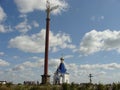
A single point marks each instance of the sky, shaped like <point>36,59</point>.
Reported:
<point>85,32</point>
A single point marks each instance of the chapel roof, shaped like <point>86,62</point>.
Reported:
<point>61,68</point>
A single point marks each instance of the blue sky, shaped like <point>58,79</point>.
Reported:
<point>86,33</point>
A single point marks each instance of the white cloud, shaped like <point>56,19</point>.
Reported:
<point>34,58</point>
<point>2,15</point>
<point>18,68</point>
<point>36,42</point>
<point>102,17</point>
<point>26,6</point>
<point>23,27</point>
<point>95,41</point>
<point>4,63</point>
<point>2,28</point>
<point>2,53</point>
<point>5,29</point>
<point>78,73</point>
<point>23,16</point>
<point>93,18</point>
<point>53,63</point>
<point>100,73</point>
<point>31,70</point>
<point>35,24</point>
<point>68,56</point>
<point>38,63</point>
<point>1,72</point>
<point>15,57</point>
<point>72,67</point>
<point>97,18</point>
<point>28,65</point>
<point>111,66</point>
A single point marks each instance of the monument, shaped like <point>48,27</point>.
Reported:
<point>46,76</point>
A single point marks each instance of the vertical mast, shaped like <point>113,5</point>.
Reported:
<point>47,38</point>
<point>46,77</point>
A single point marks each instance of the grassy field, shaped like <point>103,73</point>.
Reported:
<point>114,86</point>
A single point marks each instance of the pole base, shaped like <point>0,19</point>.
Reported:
<point>45,79</point>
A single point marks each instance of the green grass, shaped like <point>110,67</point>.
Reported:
<point>72,86</point>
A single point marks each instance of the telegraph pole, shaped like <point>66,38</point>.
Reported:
<point>90,76</point>
<point>46,76</point>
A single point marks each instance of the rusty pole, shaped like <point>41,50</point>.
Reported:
<point>46,77</point>
<point>47,44</point>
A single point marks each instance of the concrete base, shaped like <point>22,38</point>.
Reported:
<point>45,79</point>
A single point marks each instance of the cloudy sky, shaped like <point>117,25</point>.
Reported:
<point>85,32</point>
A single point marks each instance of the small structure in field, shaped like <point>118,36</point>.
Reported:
<point>61,75</point>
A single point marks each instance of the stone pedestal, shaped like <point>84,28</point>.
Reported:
<point>45,79</point>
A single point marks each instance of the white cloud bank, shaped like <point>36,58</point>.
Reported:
<point>2,14</point>
<point>97,18</point>
<point>2,53</point>
<point>111,66</point>
<point>53,63</point>
<point>23,27</point>
<point>2,18</point>
<point>4,63</point>
<point>78,73</point>
<point>36,42</point>
<point>31,70</point>
<point>95,41</point>
<point>26,6</point>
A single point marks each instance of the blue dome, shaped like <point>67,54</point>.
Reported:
<point>61,68</point>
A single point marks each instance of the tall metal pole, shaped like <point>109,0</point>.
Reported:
<point>46,77</point>
<point>47,41</point>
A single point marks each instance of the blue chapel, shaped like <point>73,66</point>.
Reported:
<point>61,75</point>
